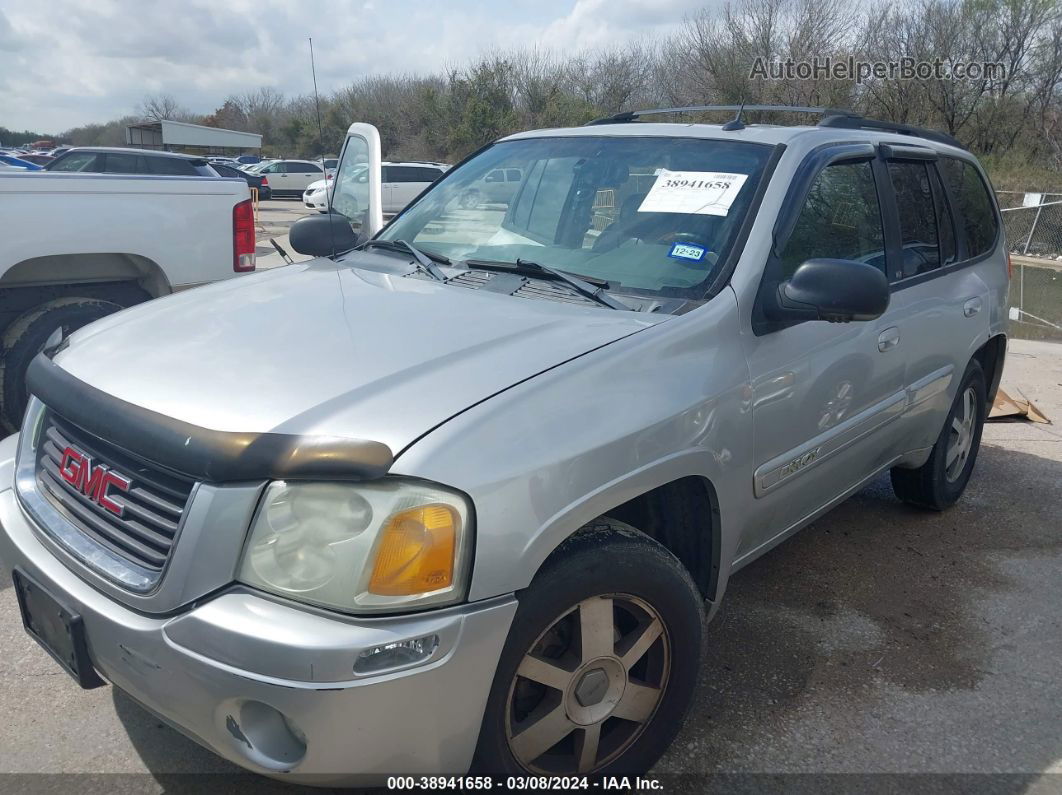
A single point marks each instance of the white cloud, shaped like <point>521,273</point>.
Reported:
<point>105,57</point>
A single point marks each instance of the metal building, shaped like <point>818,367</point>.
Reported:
<point>173,135</point>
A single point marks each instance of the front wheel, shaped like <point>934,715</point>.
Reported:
<point>600,664</point>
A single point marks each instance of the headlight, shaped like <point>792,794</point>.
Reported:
<point>388,545</point>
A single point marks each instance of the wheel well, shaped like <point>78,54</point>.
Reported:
<point>63,270</point>
<point>682,516</point>
<point>16,300</point>
<point>991,357</point>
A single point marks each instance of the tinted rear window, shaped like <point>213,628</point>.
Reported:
<point>417,174</point>
<point>919,220</point>
<point>119,163</point>
<point>973,204</point>
<point>170,166</point>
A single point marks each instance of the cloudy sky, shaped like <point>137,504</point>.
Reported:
<point>65,63</point>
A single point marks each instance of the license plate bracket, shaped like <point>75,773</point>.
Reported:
<point>59,630</point>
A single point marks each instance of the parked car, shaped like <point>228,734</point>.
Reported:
<point>258,181</point>
<point>37,159</point>
<point>20,163</point>
<point>315,196</point>
<point>249,159</point>
<point>497,186</point>
<point>115,160</point>
<point>401,183</point>
<point>460,493</point>
<point>80,246</point>
<point>254,168</point>
<point>59,150</point>
<point>291,177</point>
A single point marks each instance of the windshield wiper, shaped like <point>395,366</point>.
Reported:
<point>425,261</point>
<point>592,289</point>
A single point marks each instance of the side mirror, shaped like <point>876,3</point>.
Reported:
<point>322,235</point>
<point>836,290</point>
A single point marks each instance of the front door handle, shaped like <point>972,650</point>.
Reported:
<point>971,307</point>
<point>888,339</point>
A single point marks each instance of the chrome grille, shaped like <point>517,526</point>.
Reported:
<point>152,507</point>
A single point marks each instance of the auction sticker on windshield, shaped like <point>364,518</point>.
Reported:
<point>694,192</point>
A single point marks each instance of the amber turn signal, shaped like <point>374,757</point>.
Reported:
<point>416,550</point>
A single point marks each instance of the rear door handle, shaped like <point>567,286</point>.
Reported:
<point>971,307</point>
<point>888,339</point>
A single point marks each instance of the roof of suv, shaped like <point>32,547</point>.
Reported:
<point>836,125</point>
<point>417,163</point>
<point>130,150</point>
<point>769,134</point>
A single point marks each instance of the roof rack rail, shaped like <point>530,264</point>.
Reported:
<point>854,121</point>
<point>632,115</point>
<point>837,118</point>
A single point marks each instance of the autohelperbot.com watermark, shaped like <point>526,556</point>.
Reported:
<point>851,68</point>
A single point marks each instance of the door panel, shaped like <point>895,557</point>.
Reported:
<point>824,395</point>
<point>301,177</point>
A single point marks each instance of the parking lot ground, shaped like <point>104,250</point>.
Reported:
<point>275,217</point>
<point>880,640</point>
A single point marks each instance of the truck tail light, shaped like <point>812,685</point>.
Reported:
<point>243,237</point>
<point>1010,268</point>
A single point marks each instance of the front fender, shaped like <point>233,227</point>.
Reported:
<point>549,455</point>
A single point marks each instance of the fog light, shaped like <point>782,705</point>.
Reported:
<point>395,655</point>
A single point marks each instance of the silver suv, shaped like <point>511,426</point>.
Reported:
<point>461,494</point>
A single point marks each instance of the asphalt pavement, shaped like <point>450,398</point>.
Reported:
<point>880,642</point>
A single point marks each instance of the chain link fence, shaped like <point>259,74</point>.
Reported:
<point>1033,223</point>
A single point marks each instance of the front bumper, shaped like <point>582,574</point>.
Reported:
<point>221,672</point>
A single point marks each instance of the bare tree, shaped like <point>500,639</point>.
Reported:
<point>160,107</point>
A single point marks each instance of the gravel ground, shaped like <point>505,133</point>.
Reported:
<point>880,640</point>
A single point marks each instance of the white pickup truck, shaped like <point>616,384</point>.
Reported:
<point>76,247</point>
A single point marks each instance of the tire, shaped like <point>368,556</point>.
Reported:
<point>28,335</point>
<point>940,482</point>
<point>635,713</point>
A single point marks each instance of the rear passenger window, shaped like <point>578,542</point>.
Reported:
<point>170,166</point>
<point>919,219</point>
<point>841,219</point>
<point>418,174</point>
<point>425,174</point>
<point>977,221</point>
<point>945,224</point>
<point>118,163</point>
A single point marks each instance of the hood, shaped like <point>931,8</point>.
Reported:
<point>325,349</point>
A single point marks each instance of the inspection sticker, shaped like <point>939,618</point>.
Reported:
<point>687,251</point>
<point>696,192</point>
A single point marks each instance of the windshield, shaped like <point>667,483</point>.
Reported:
<point>647,214</point>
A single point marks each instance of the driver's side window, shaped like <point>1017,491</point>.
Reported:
<point>841,219</point>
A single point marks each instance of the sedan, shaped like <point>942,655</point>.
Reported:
<point>258,181</point>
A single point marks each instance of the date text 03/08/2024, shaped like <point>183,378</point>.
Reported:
<point>529,783</point>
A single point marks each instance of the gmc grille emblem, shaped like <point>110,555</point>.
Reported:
<point>95,482</point>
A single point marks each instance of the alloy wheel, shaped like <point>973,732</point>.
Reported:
<point>589,685</point>
<point>960,436</point>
